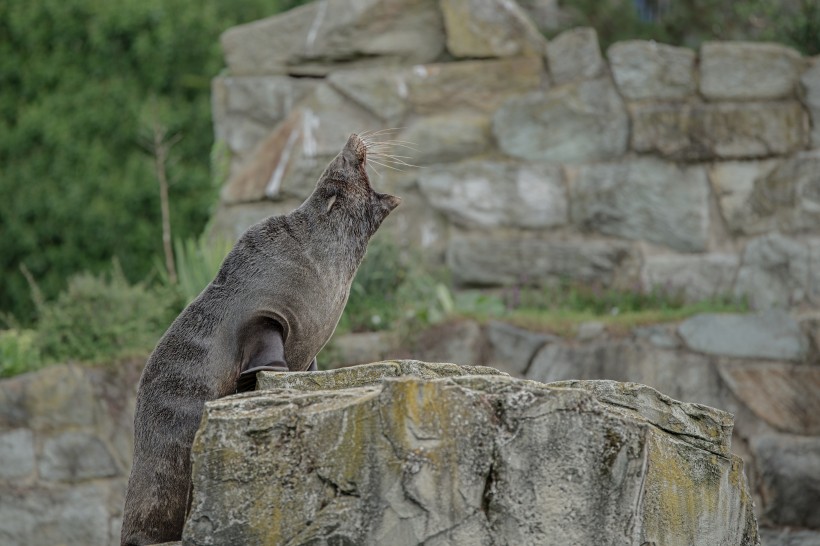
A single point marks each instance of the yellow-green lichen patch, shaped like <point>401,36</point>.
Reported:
<point>688,494</point>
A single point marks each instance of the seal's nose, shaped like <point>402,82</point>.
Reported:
<point>356,145</point>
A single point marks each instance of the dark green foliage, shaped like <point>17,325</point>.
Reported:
<point>690,22</point>
<point>98,318</point>
<point>81,82</point>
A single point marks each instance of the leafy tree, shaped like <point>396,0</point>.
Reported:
<point>78,80</point>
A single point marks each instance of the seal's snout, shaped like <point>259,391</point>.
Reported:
<point>358,147</point>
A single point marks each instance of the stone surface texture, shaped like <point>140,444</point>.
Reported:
<point>504,261</point>
<point>779,271</point>
<point>490,28</point>
<point>66,441</point>
<point>650,70</point>
<point>643,199</point>
<point>494,194</point>
<point>744,70</point>
<point>575,55</point>
<point>478,459</point>
<point>312,39</point>
<point>770,335</point>
<point>696,131</point>
<point>810,82</point>
<point>572,123</point>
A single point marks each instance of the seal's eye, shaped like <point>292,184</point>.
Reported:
<point>330,203</point>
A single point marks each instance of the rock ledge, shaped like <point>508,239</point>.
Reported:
<point>444,454</point>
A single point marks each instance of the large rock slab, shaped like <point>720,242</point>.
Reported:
<point>696,277</point>
<point>444,88</point>
<point>17,454</point>
<point>494,260</point>
<point>682,375</point>
<point>734,184</point>
<point>466,460</point>
<point>645,69</point>
<point>495,194</point>
<point>66,515</point>
<point>731,130</point>
<point>66,441</point>
<point>786,396</point>
<point>490,28</point>
<point>770,335</point>
<point>746,70</point>
<point>577,122</point>
<point>318,37</point>
<point>74,456</point>
<point>788,467</point>
<point>788,537</point>
<point>575,55</point>
<point>643,199</point>
<point>810,82</point>
<point>779,271</point>
<point>790,193</point>
<point>444,138</point>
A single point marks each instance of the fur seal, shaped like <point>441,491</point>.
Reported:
<point>275,302</point>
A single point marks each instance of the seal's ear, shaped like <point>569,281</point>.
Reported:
<point>389,202</point>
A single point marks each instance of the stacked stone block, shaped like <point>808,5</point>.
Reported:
<point>699,170</point>
<point>66,442</point>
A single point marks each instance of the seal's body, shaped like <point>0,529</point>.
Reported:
<point>275,302</point>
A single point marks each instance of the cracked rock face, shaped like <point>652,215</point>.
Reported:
<point>422,458</point>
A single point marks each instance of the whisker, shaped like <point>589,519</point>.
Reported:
<point>385,146</point>
<point>370,164</point>
<point>371,134</point>
<point>394,160</point>
<point>397,140</point>
<point>385,166</point>
<point>381,153</point>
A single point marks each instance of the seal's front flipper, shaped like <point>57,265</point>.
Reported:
<point>313,367</point>
<point>262,349</point>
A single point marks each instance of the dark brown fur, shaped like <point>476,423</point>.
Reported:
<point>294,271</point>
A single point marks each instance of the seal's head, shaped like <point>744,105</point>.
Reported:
<point>344,194</point>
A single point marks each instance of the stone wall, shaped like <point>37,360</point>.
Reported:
<point>66,442</point>
<point>648,165</point>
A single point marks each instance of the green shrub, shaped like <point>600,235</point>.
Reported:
<point>78,78</point>
<point>18,352</point>
<point>100,317</point>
